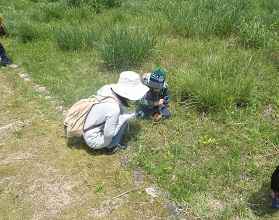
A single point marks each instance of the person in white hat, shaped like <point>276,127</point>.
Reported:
<point>111,116</point>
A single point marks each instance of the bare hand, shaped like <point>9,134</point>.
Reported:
<point>159,102</point>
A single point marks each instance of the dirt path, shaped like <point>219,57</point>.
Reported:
<point>44,177</point>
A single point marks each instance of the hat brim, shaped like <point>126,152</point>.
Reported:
<point>131,93</point>
<point>155,85</point>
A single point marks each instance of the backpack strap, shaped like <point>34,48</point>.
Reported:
<point>108,99</point>
<point>92,127</point>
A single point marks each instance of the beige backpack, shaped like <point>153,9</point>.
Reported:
<point>77,115</point>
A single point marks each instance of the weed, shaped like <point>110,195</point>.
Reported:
<point>14,200</point>
<point>18,134</point>
<point>98,187</point>
<point>41,133</point>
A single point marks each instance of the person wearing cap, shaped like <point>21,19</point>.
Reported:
<point>155,102</point>
<point>112,115</point>
<point>4,58</point>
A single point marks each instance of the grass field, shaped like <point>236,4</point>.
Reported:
<point>216,154</point>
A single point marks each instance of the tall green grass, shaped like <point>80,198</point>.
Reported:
<point>47,12</point>
<point>75,38</point>
<point>28,31</point>
<point>218,83</point>
<point>249,21</point>
<point>126,48</point>
<point>96,5</point>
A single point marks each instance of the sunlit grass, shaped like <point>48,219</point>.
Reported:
<point>222,63</point>
<point>126,48</point>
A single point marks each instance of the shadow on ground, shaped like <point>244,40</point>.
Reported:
<point>259,202</point>
<point>79,143</point>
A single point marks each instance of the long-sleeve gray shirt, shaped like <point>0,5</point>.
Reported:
<point>107,112</point>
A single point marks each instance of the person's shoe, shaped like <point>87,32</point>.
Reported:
<point>157,117</point>
<point>8,63</point>
<point>115,149</point>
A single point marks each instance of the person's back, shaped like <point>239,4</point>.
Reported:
<point>111,118</point>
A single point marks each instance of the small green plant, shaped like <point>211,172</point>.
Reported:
<point>41,133</point>
<point>14,200</point>
<point>18,134</point>
<point>98,187</point>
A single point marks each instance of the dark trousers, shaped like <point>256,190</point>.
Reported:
<point>161,109</point>
<point>4,57</point>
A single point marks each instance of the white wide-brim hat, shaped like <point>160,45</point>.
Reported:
<point>129,86</point>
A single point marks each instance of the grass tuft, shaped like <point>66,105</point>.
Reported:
<point>126,48</point>
<point>74,38</point>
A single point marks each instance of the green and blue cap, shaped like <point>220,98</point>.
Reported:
<point>157,78</point>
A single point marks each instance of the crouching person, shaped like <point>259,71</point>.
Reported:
<point>155,102</point>
<point>110,117</point>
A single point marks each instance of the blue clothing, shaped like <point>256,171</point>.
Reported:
<point>4,58</point>
<point>116,139</point>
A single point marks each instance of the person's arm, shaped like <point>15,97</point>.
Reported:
<point>107,113</point>
<point>166,94</point>
<point>146,103</point>
<point>114,121</point>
